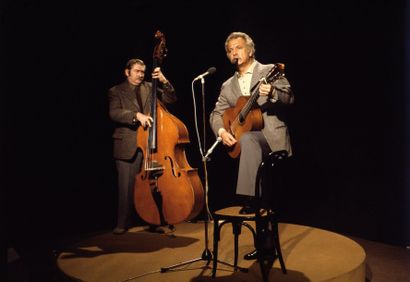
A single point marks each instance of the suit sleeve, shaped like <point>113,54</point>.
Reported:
<point>281,97</point>
<point>282,91</point>
<point>168,93</point>
<point>116,110</point>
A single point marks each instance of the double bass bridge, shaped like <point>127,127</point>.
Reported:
<point>154,170</point>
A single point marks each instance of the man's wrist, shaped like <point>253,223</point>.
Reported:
<point>274,96</point>
<point>135,118</point>
<point>220,131</point>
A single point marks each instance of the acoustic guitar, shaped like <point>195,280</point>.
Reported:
<point>246,115</point>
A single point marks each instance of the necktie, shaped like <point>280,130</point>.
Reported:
<point>138,96</point>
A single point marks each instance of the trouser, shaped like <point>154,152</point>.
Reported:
<point>127,170</point>
<point>253,147</point>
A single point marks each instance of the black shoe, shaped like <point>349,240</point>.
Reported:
<point>247,210</point>
<point>119,230</point>
<point>155,229</point>
<point>267,254</point>
<point>251,256</point>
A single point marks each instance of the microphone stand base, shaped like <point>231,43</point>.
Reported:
<point>206,256</point>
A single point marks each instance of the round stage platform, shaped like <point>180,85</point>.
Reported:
<point>310,254</point>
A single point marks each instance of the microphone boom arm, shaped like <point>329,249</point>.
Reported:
<point>209,152</point>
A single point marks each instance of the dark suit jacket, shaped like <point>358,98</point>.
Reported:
<point>123,107</point>
<point>275,129</point>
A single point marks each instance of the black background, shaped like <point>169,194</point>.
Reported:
<point>344,60</point>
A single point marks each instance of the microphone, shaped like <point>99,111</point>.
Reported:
<point>211,70</point>
<point>212,148</point>
<point>235,63</point>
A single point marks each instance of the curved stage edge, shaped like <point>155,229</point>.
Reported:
<point>310,254</point>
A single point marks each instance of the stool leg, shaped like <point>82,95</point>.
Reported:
<point>276,243</point>
<point>236,228</point>
<point>261,226</point>
<point>252,230</point>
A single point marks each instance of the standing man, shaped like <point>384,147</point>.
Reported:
<point>129,106</point>
<point>274,136</point>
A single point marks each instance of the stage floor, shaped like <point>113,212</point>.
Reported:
<point>310,254</point>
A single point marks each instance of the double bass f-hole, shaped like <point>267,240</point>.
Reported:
<point>174,170</point>
<point>155,169</point>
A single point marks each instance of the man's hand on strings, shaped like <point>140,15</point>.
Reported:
<point>146,121</point>
<point>228,139</point>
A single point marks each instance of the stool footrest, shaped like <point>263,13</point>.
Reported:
<point>266,225</point>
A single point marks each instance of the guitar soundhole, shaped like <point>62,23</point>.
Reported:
<point>241,119</point>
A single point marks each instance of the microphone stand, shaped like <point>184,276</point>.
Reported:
<point>206,254</point>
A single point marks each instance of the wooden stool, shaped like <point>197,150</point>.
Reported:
<point>230,215</point>
<point>266,236</point>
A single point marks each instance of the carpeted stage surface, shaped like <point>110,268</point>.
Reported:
<point>310,254</point>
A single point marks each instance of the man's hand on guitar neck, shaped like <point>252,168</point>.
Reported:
<point>265,89</point>
<point>227,138</point>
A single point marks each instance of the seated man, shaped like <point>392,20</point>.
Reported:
<point>273,98</point>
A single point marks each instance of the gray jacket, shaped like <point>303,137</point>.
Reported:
<point>275,129</point>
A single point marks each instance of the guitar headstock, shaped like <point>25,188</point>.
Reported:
<point>281,67</point>
<point>277,71</point>
<point>160,50</point>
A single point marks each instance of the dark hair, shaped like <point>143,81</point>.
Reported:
<point>132,62</point>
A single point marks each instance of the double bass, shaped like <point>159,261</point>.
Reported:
<point>167,189</point>
<point>246,115</point>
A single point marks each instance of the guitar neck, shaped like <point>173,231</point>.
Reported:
<point>273,74</point>
<point>249,105</point>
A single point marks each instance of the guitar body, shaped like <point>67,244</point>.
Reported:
<point>234,124</point>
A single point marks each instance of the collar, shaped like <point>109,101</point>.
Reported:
<point>248,71</point>
<point>132,86</point>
